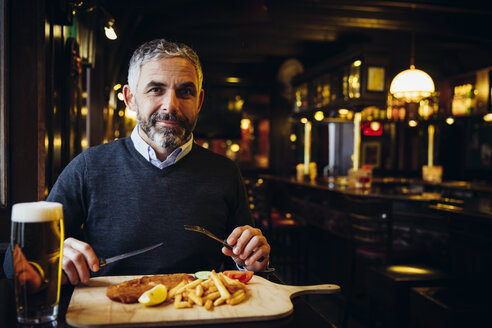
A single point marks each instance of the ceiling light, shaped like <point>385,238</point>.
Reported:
<point>450,120</point>
<point>319,116</point>
<point>245,123</point>
<point>412,123</point>
<point>109,30</point>
<point>487,117</point>
<point>412,85</point>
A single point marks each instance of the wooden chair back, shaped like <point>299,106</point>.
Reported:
<point>370,222</point>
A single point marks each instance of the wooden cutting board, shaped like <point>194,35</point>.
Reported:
<point>90,307</point>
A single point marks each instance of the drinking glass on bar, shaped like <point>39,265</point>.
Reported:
<point>37,243</point>
<point>432,173</point>
<point>300,172</point>
<point>313,171</point>
<point>360,179</point>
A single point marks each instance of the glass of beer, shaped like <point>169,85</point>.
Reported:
<point>37,242</point>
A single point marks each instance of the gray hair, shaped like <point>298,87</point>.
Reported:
<point>158,49</point>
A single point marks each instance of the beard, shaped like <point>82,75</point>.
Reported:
<point>165,136</point>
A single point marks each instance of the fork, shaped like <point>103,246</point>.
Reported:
<point>208,233</point>
<point>211,235</point>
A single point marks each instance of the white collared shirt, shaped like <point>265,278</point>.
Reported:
<point>149,153</point>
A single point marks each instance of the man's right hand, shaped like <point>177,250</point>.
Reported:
<point>78,259</point>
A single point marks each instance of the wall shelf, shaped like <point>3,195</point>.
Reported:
<point>354,80</point>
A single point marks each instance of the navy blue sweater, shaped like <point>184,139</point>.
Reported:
<point>117,202</point>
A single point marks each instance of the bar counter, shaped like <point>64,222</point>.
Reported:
<point>446,226</point>
<point>465,199</point>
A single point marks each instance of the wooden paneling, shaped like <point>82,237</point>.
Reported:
<point>23,104</point>
<point>3,106</point>
<point>27,100</point>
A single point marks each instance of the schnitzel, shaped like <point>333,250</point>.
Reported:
<point>129,291</point>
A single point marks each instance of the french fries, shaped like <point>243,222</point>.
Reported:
<point>224,293</point>
<point>173,291</point>
<point>237,297</point>
<point>217,290</point>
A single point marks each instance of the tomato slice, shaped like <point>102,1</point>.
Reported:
<point>242,276</point>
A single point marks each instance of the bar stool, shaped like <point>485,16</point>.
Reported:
<point>370,239</point>
<point>450,307</point>
<point>287,232</point>
<point>388,291</point>
<point>373,252</point>
<point>467,301</point>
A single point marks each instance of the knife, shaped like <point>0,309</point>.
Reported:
<point>103,262</point>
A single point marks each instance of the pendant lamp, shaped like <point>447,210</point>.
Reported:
<point>412,84</point>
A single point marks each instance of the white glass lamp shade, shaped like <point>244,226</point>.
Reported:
<point>412,85</point>
<point>110,32</point>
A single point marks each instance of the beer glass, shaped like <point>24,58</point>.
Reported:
<point>37,242</point>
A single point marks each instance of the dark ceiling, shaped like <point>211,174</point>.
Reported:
<point>250,39</point>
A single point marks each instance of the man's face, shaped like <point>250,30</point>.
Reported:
<point>167,101</point>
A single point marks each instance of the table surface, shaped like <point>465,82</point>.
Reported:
<point>303,316</point>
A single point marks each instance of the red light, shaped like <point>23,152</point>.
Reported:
<point>372,129</point>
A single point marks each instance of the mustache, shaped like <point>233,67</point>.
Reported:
<point>167,117</point>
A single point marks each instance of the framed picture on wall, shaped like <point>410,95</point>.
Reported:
<point>371,153</point>
<point>375,78</point>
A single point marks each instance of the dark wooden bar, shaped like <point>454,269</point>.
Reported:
<point>419,207</point>
<point>433,227</point>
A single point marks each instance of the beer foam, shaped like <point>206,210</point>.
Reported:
<point>37,212</point>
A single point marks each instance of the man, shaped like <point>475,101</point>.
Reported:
<point>141,190</point>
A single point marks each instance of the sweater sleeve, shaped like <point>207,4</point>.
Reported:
<point>69,190</point>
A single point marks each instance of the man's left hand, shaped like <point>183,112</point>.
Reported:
<point>249,245</point>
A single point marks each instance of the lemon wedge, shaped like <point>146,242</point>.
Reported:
<point>202,275</point>
<point>154,296</point>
